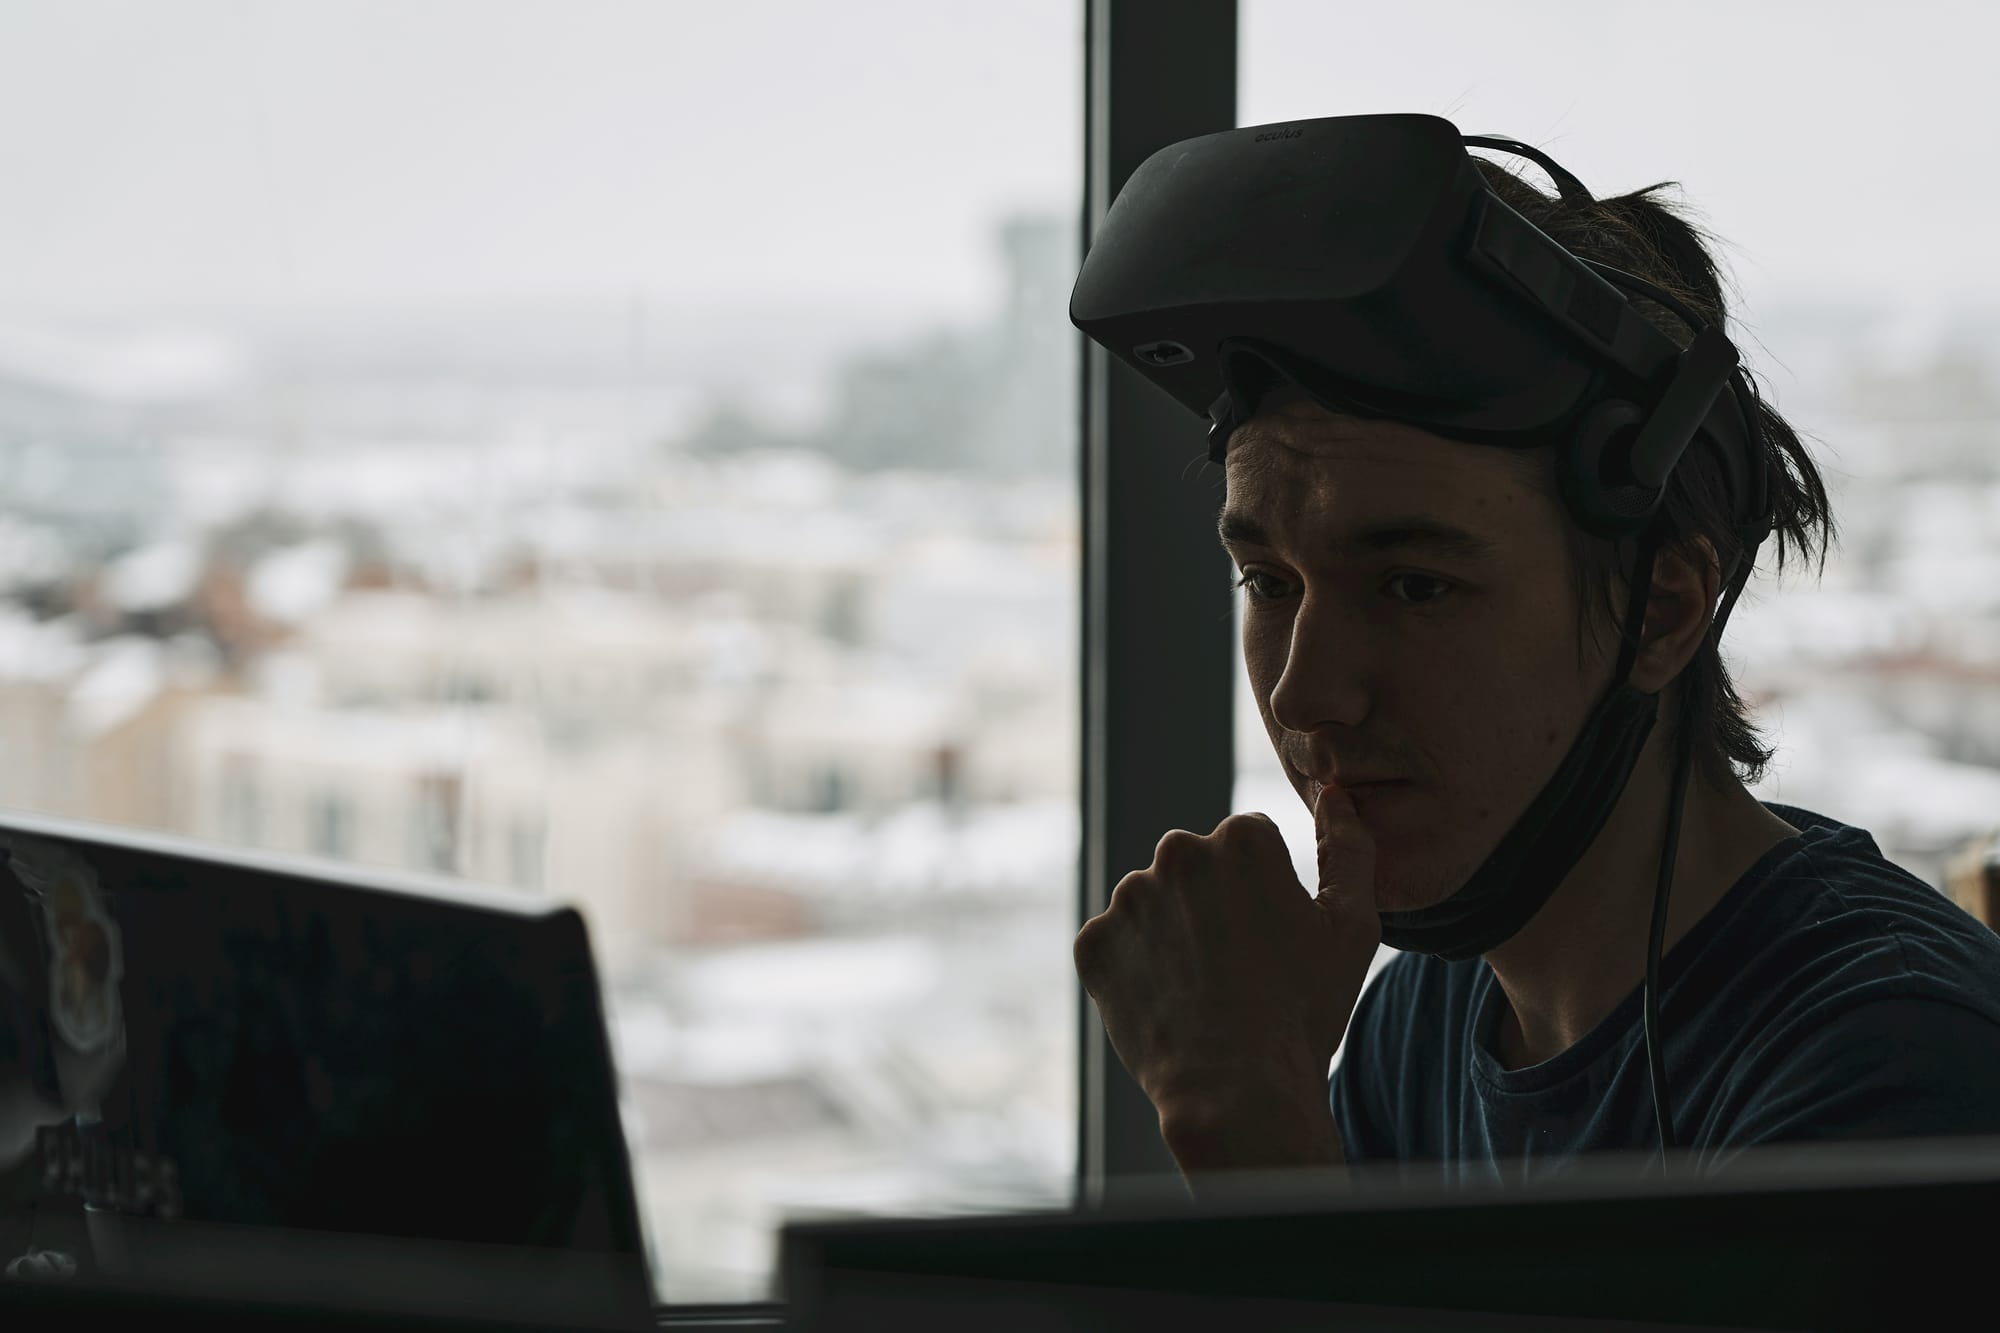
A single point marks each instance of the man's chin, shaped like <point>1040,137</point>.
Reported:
<point>1414,890</point>
<point>1394,902</point>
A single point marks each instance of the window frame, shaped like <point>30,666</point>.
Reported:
<point>1158,747</point>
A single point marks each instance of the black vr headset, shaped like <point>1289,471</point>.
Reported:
<point>1363,260</point>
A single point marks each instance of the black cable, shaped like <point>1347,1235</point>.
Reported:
<point>1656,1056</point>
<point>1656,1059</point>
<point>1630,635</point>
<point>1568,186</point>
<point>1652,291</point>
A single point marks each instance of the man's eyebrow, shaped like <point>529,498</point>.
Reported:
<point>1234,528</point>
<point>1422,533</point>
<point>1411,532</point>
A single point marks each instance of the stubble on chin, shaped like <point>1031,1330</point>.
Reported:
<point>1408,887</point>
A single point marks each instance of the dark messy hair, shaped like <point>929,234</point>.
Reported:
<point>1649,237</point>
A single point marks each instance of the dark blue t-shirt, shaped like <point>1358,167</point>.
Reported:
<point>1830,994</point>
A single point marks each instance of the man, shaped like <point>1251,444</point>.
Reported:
<point>1427,634</point>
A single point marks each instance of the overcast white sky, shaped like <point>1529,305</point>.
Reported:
<point>1838,144</point>
<point>286,152</point>
<point>289,153</point>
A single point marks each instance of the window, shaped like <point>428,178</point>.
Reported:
<point>330,829</point>
<point>527,853</point>
<point>241,801</point>
<point>434,821</point>
<point>514,439</point>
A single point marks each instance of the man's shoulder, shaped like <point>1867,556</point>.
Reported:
<point>1836,922</point>
<point>1839,994</point>
<point>1861,1002</point>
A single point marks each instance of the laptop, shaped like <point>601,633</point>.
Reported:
<point>264,1079</point>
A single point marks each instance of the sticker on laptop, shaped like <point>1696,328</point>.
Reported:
<point>86,951</point>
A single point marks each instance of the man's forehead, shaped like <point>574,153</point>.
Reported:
<point>1300,459</point>
<point>1306,443</point>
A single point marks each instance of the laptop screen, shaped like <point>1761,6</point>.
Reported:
<point>197,1045</point>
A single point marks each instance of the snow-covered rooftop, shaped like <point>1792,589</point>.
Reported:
<point>922,851</point>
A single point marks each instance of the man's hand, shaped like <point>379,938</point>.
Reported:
<point>1225,989</point>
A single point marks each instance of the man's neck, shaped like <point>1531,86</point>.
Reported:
<point>1585,951</point>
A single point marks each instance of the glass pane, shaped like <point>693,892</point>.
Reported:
<point>1858,241</point>
<point>621,451</point>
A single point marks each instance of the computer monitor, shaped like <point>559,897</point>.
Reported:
<point>1827,1236</point>
<point>250,1076</point>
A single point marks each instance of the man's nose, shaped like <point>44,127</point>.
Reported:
<point>1326,669</point>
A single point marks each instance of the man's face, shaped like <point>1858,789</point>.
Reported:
<point>1410,630</point>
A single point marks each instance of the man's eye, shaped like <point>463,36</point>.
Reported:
<point>1417,589</point>
<point>1262,587</point>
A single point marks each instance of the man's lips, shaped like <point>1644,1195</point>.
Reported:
<point>1356,784</point>
<point>1365,795</point>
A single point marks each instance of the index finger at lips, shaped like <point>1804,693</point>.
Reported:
<point>1346,854</point>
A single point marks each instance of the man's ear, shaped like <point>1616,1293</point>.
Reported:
<point>1687,580</point>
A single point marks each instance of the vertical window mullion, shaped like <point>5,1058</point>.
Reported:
<point>1158,658</point>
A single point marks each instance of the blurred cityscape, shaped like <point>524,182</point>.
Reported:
<point>1879,682</point>
<point>785,701</point>
<point>777,679</point>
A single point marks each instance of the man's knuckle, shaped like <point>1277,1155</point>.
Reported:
<point>1089,944</point>
<point>1245,830</point>
<point>1128,893</point>
<point>1178,847</point>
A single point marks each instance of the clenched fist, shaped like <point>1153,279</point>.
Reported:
<point>1225,989</point>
